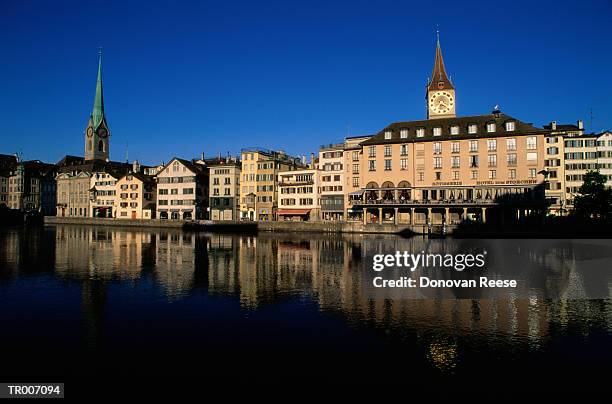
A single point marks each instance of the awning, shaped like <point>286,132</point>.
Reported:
<point>356,193</point>
<point>293,212</point>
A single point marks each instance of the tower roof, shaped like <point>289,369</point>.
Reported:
<point>439,80</point>
<point>97,115</point>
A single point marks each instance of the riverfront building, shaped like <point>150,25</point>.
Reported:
<point>103,193</point>
<point>224,189</point>
<point>331,165</point>
<point>299,197</point>
<point>259,186</point>
<point>447,168</point>
<point>136,196</point>
<point>182,190</point>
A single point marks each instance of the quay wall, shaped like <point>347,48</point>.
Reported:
<point>238,226</point>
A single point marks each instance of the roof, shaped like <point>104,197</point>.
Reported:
<point>142,177</point>
<point>192,166</point>
<point>7,161</point>
<point>439,79</point>
<point>564,127</point>
<point>521,128</point>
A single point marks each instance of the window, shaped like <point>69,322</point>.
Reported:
<point>387,165</point>
<point>455,147</point>
<point>492,159</point>
<point>532,173</point>
<point>355,168</point>
<point>355,156</point>
<point>492,174</point>
<point>388,135</point>
<point>532,158</point>
<point>532,143</point>
<point>404,150</point>
<point>455,175</point>
<point>474,161</point>
<point>510,126</point>
<point>491,127</point>
<point>472,128</point>
<point>403,164</point>
<point>511,159</point>
<point>474,175</point>
<point>511,144</point>
<point>454,130</point>
<point>372,165</point>
<point>438,176</point>
<point>387,150</point>
<point>512,173</point>
<point>372,151</point>
<point>437,148</point>
<point>491,144</point>
<point>437,131</point>
<point>420,132</point>
<point>455,161</point>
<point>421,176</point>
<point>355,181</point>
<point>404,133</point>
<point>437,162</point>
<point>473,145</point>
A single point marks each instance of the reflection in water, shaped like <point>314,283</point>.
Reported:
<point>268,269</point>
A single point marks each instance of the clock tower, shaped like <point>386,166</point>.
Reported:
<point>440,91</point>
<point>97,134</point>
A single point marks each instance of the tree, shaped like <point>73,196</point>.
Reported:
<point>594,199</point>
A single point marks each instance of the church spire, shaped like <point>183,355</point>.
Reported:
<point>97,114</point>
<point>439,80</point>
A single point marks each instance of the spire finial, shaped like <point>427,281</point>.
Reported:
<point>437,34</point>
<point>100,50</point>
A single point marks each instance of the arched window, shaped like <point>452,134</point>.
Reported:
<point>100,146</point>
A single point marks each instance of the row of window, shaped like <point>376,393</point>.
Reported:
<point>531,144</point>
<point>177,202</point>
<point>472,128</point>
<point>301,201</point>
<point>175,191</point>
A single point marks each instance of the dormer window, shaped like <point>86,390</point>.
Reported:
<point>420,132</point>
<point>437,131</point>
<point>404,133</point>
<point>510,126</point>
<point>491,127</point>
<point>472,128</point>
<point>454,130</point>
<point>387,135</point>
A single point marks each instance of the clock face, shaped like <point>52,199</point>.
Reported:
<point>90,131</point>
<point>102,132</point>
<point>441,102</point>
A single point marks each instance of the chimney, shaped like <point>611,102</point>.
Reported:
<point>553,125</point>
<point>202,156</point>
<point>580,124</point>
<point>312,160</point>
<point>304,160</point>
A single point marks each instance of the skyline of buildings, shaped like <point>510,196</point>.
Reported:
<point>440,170</point>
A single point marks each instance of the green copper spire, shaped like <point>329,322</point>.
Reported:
<point>97,115</point>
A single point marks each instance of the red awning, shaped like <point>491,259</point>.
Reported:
<point>293,212</point>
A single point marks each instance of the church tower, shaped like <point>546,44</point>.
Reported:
<point>97,135</point>
<point>440,94</point>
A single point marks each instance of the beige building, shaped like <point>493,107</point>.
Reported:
<point>103,193</point>
<point>555,166</point>
<point>135,197</point>
<point>353,156</point>
<point>73,193</point>
<point>299,195</point>
<point>259,190</point>
<point>331,166</point>
<point>182,190</point>
<point>446,169</point>
<point>224,190</point>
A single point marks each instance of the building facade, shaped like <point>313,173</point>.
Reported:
<point>259,189</point>
<point>103,193</point>
<point>31,187</point>
<point>299,197</point>
<point>447,169</point>
<point>136,197</point>
<point>182,190</point>
<point>224,190</point>
<point>331,166</point>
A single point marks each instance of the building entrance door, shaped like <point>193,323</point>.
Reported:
<point>133,214</point>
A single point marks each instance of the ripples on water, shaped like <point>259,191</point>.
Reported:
<point>102,286</point>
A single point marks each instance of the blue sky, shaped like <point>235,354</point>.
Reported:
<point>213,77</point>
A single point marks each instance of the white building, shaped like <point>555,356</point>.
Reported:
<point>331,165</point>
<point>299,195</point>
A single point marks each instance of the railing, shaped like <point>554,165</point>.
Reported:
<point>379,202</point>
